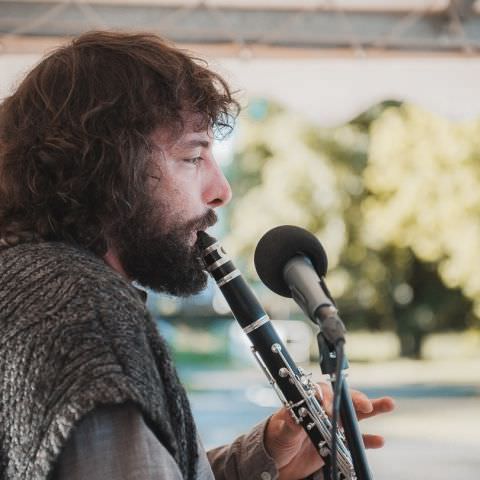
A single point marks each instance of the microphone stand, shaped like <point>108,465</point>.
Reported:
<point>328,362</point>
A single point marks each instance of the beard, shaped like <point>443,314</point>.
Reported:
<point>163,261</point>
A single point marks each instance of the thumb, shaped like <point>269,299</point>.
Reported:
<point>283,423</point>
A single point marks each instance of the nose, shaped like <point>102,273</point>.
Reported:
<point>218,192</point>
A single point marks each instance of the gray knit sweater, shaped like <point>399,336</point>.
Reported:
<point>75,335</point>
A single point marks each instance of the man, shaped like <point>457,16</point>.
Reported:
<point>106,176</point>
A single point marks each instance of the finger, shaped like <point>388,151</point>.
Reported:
<point>325,394</point>
<point>362,404</point>
<point>373,441</point>
<point>324,389</point>
<point>284,425</point>
<point>379,405</point>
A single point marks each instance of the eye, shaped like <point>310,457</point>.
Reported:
<point>194,160</point>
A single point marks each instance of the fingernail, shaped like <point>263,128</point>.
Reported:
<point>367,408</point>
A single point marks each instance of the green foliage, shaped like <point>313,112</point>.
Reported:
<point>394,197</point>
<point>424,178</point>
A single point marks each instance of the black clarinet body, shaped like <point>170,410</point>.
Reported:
<point>294,387</point>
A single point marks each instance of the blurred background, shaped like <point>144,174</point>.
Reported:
<point>361,123</point>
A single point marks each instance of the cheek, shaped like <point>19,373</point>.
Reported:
<point>183,203</point>
<point>188,204</point>
<point>180,198</point>
<point>187,195</point>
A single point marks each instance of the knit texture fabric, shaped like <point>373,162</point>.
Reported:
<point>76,335</point>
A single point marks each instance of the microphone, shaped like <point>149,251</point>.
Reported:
<point>292,262</point>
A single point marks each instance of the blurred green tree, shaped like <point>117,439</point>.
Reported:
<point>380,193</point>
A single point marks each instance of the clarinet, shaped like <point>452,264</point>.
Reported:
<point>294,387</point>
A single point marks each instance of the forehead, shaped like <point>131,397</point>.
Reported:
<point>195,131</point>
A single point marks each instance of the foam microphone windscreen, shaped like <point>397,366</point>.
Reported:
<point>280,245</point>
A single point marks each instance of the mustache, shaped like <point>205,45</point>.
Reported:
<point>203,222</point>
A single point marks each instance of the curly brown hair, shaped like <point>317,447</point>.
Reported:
<point>74,146</point>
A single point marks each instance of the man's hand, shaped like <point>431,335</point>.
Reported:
<point>291,448</point>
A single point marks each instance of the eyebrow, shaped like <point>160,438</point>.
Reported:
<point>194,143</point>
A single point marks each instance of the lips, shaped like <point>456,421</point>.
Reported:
<point>199,225</point>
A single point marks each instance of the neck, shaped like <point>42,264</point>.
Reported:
<point>112,260</point>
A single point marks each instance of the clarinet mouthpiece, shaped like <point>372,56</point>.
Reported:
<point>204,239</point>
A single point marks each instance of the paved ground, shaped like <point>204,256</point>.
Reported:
<point>429,438</point>
<point>434,433</point>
